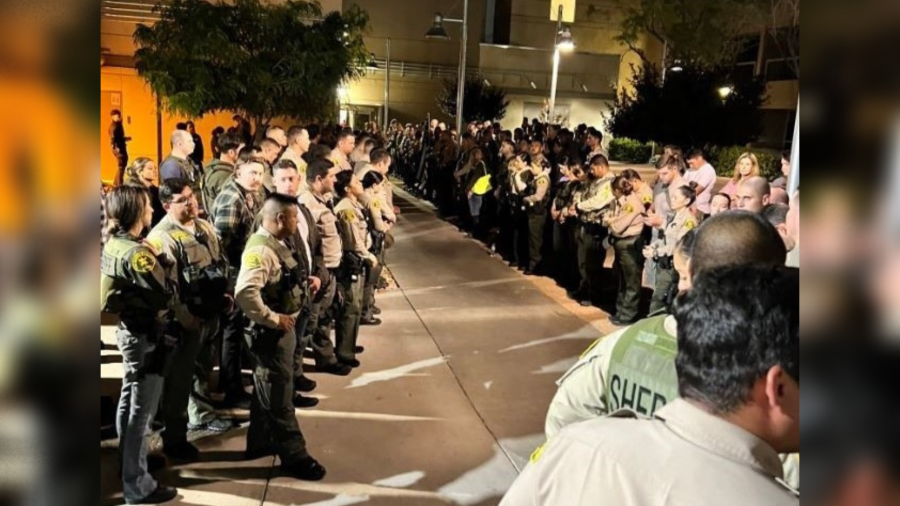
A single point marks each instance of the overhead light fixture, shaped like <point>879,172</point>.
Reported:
<point>677,66</point>
<point>533,86</point>
<point>584,88</point>
<point>437,30</point>
<point>564,40</point>
<point>725,92</point>
<point>487,83</point>
<point>103,54</point>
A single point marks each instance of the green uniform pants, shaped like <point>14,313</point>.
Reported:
<point>590,263</point>
<point>629,267</point>
<point>273,422</point>
<point>536,223</point>
<point>185,394</point>
<point>666,279</point>
<point>346,329</point>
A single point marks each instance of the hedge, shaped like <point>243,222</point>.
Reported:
<point>629,151</point>
<point>725,159</point>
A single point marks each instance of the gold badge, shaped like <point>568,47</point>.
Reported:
<point>629,208</point>
<point>143,262</point>
<point>252,261</point>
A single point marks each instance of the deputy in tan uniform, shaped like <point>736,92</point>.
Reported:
<point>356,259</point>
<point>201,275</point>
<point>662,250</point>
<point>593,204</point>
<point>634,368</point>
<point>320,178</point>
<point>536,199</point>
<point>728,429</point>
<point>271,289</point>
<point>346,142</point>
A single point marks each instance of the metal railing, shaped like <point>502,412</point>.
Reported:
<point>131,11</point>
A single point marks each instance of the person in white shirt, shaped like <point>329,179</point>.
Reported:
<point>702,173</point>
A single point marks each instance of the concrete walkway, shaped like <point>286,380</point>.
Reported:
<point>449,402</point>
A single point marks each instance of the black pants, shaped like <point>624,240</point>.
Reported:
<point>536,224</point>
<point>591,256</point>
<point>230,379</point>
<point>630,269</point>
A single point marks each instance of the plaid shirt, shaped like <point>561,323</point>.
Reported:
<point>235,217</point>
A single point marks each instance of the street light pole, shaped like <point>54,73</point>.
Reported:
<point>387,89</point>
<point>463,54</point>
<point>437,31</point>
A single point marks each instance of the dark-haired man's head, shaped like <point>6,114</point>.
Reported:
<point>696,159</point>
<point>753,195</point>
<point>594,138</point>
<point>381,160</point>
<point>320,175</point>
<point>276,133</point>
<point>249,175</point>
<point>346,141</point>
<point>736,238</point>
<point>179,200</point>
<point>286,178</point>
<point>536,147</point>
<point>229,145</point>
<point>599,167</point>
<point>280,215</point>
<point>739,350</point>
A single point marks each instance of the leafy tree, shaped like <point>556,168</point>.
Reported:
<point>707,31</point>
<point>688,110</point>
<point>262,60</point>
<point>480,102</point>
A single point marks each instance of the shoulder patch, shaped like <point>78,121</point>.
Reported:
<point>690,224</point>
<point>376,204</point>
<point>543,181</point>
<point>648,199</point>
<point>143,262</point>
<point>156,243</point>
<point>181,236</point>
<point>252,261</point>
<point>348,216</point>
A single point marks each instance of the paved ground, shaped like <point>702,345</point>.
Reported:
<point>449,402</point>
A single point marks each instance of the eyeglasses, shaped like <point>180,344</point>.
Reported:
<point>185,201</point>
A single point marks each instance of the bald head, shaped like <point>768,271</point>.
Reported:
<point>736,238</point>
<point>753,195</point>
<point>779,196</point>
<point>182,143</point>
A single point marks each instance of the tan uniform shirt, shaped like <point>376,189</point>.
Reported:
<point>683,223</point>
<point>354,230</point>
<point>684,457</point>
<point>582,393</point>
<point>385,197</point>
<point>260,266</point>
<point>326,222</point>
<point>339,159</point>
<point>627,221</point>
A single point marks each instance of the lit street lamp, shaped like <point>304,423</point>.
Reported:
<point>725,92</point>
<point>437,31</point>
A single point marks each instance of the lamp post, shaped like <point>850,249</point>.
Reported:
<point>563,42</point>
<point>437,31</point>
<point>387,89</point>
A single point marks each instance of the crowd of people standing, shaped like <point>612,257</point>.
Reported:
<point>273,249</point>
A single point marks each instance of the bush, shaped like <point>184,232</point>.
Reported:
<point>725,159</point>
<point>629,151</point>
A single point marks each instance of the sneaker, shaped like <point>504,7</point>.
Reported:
<point>337,369</point>
<point>372,322</point>
<point>160,495</point>
<point>304,384</point>
<point>183,451</point>
<point>218,425</point>
<point>305,402</point>
<point>307,470</point>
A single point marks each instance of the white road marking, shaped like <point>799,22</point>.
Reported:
<point>396,373</point>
